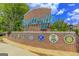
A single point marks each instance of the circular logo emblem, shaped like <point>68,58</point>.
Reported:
<point>41,37</point>
<point>53,38</point>
<point>69,39</point>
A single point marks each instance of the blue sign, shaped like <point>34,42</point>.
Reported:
<point>41,37</point>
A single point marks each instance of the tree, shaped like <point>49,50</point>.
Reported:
<point>11,16</point>
<point>77,31</point>
<point>59,25</point>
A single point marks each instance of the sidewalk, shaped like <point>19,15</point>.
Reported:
<point>42,51</point>
<point>13,50</point>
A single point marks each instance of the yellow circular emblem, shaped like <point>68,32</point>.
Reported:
<point>69,39</point>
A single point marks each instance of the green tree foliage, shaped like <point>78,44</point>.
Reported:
<point>11,16</point>
<point>59,25</point>
<point>77,31</point>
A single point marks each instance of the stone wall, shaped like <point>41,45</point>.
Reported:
<point>43,40</point>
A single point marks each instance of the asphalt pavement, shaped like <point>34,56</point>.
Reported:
<point>11,50</point>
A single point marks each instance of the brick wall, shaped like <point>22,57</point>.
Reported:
<point>23,37</point>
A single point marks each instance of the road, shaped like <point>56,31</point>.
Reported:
<point>14,50</point>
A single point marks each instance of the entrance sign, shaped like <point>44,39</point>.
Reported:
<point>53,38</point>
<point>66,41</point>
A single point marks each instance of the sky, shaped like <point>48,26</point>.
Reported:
<point>69,12</point>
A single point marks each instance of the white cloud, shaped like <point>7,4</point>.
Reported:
<point>61,12</point>
<point>71,4</point>
<point>47,5</point>
<point>74,16</point>
<point>54,9</point>
<point>68,19</point>
<point>70,14</point>
<point>76,11</point>
<point>71,21</point>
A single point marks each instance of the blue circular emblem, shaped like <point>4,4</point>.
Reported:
<point>41,37</point>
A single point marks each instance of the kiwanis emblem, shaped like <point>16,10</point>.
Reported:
<point>69,39</point>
